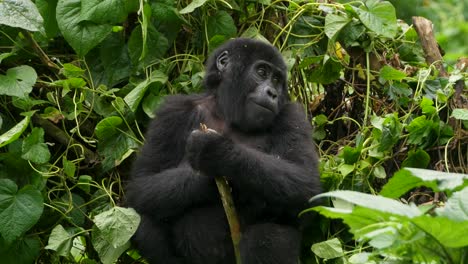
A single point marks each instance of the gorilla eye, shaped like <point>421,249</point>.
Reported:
<point>261,72</point>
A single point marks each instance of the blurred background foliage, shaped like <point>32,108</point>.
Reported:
<point>80,79</point>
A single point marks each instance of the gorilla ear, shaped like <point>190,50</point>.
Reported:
<point>222,61</point>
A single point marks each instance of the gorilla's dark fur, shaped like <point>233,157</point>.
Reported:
<point>263,147</point>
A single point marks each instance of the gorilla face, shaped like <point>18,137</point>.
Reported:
<point>250,82</point>
<point>262,102</point>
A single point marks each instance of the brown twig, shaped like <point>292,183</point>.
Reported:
<point>429,44</point>
<point>42,55</point>
<point>228,205</point>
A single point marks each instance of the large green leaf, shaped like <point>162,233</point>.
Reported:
<point>108,127</point>
<point>155,42</point>
<point>15,132</point>
<point>447,232</point>
<point>192,6</point>
<point>409,178</point>
<point>60,240</point>
<point>19,210</point>
<point>222,24</point>
<point>334,23</point>
<point>373,202</point>
<point>117,225</point>
<point>104,11</point>
<point>329,249</point>
<point>22,251</point>
<point>81,35</point>
<point>20,13</point>
<point>134,98</point>
<point>48,8</point>
<point>108,254</point>
<point>34,149</point>
<point>18,81</point>
<point>379,16</point>
<point>456,207</point>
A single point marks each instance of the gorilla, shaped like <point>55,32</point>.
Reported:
<point>263,147</point>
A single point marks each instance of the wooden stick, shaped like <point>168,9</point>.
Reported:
<point>228,205</point>
<point>429,44</point>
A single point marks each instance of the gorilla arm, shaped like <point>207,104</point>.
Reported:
<point>163,183</point>
<point>287,176</point>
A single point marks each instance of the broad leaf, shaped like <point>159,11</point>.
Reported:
<point>22,251</point>
<point>117,225</point>
<point>18,81</point>
<point>134,98</point>
<point>34,149</point>
<point>328,249</point>
<point>15,132</point>
<point>334,23</point>
<point>60,240</point>
<point>108,127</point>
<point>47,8</point>
<point>390,74</point>
<point>104,11</point>
<point>456,207</point>
<point>192,6</point>
<point>20,13</point>
<point>221,24</point>
<point>373,202</point>
<point>447,232</point>
<point>81,35</point>
<point>379,16</point>
<point>19,210</point>
<point>108,254</point>
<point>460,114</point>
<point>409,178</point>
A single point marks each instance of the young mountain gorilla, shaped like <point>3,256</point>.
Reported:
<point>263,147</point>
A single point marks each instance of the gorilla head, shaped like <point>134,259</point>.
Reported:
<point>249,79</point>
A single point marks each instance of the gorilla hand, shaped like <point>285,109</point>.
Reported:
<point>203,146</point>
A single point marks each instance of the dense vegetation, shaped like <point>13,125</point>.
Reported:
<point>80,79</point>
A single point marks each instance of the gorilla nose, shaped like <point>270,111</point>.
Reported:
<point>272,93</point>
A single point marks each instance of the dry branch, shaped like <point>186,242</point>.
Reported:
<point>228,205</point>
<point>429,44</point>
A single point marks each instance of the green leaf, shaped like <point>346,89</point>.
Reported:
<point>108,127</point>
<point>20,13</point>
<point>391,132</point>
<point>420,130</point>
<point>378,16</point>
<point>409,178</point>
<point>460,114</point>
<point>417,159</point>
<point>104,11</point>
<point>19,210</point>
<point>22,251</point>
<point>107,253</point>
<point>69,167</point>
<point>60,241</point>
<point>373,202</point>
<point>18,81</point>
<point>15,132</point>
<point>110,64</point>
<point>329,249</point>
<point>456,208</point>
<point>427,106</point>
<point>81,35</point>
<point>447,232</point>
<point>222,24</point>
<point>192,6</point>
<point>34,149</point>
<point>47,9</point>
<point>326,73</point>
<point>115,149</point>
<point>334,23</point>
<point>155,40</point>
<point>117,225</point>
<point>390,74</point>
<point>134,98</point>
<point>351,155</point>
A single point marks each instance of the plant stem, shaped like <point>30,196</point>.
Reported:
<point>231,214</point>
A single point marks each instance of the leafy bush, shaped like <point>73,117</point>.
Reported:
<point>80,79</point>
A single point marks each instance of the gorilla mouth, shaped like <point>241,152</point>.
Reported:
<point>264,106</point>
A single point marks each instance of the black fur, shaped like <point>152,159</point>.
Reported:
<point>270,164</point>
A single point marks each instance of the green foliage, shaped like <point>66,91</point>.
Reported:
<point>402,232</point>
<point>79,81</point>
